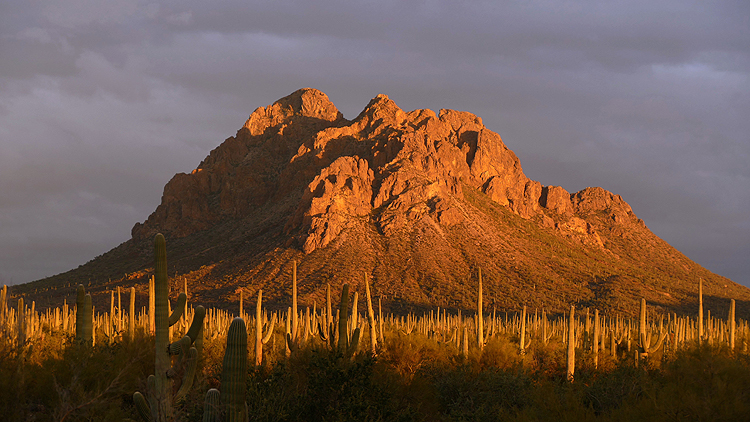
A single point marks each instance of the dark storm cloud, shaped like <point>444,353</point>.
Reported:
<point>102,102</point>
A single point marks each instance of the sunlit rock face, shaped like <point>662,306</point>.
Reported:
<point>387,165</point>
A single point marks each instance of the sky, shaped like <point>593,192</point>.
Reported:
<point>103,101</point>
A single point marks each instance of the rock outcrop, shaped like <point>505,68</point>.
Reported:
<point>388,166</point>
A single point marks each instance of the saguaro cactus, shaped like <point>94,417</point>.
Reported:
<point>327,328</point>
<point>523,343</point>
<point>346,345</point>
<point>131,315</point>
<point>292,342</point>
<point>212,406</point>
<point>545,336</point>
<point>597,328</point>
<point>571,344</point>
<point>151,305</point>
<point>21,314</point>
<point>84,317</point>
<point>160,385</point>
<point>480,322</point>
<point>731,324</point>
<point>260,339</point>
<point>644,335</point>
<point>231,396</point>
<point>700,309</point>
<point>371,318</point>
<point>3,304</point>
<point>234,372</point>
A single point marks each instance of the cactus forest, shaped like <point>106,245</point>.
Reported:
<point>174,360</point>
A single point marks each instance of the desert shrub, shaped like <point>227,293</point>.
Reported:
<point>607,390</point>
<point>316,384</point>
<point>408,354</point>
<point>500,352</point>
<point>490,394</point>
<point>547,361</point>
<point>56,379</point>
<point>701,383</point>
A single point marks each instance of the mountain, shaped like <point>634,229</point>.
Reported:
<point>416,200</point>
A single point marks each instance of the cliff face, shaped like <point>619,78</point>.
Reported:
<point>389,166</point>
<point>418,201</point>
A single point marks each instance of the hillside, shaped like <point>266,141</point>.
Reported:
<point>419,201</point>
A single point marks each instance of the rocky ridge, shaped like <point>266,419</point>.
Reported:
<point>397,167</point>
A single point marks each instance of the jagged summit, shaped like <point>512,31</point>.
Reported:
<point>389,166</point>
<point>418,201</point>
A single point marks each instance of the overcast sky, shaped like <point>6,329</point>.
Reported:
<point>102,101</point>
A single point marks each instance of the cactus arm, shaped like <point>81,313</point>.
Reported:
<point>182,345</point>
<point>287,337</point>
<point>178,310</point>
<point>153,403</point>
<point>658,344</point>
<point>199,314</point>
<point>290,343</point>
<point>643,342</point>
<point>453,336</point>
<point>191,363</point>
<point>321,333</point>
<point>270,327</point>
<point>142,407</point>
<point>354,343</point>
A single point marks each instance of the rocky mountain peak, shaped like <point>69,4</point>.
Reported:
<point>387,166</point>
<point>307,102</point>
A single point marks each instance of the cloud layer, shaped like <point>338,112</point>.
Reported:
<point>102,102</point>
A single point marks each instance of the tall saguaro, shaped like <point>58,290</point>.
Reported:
<point>480,322</point>
<point>572,344</point>
<point>700,309</point>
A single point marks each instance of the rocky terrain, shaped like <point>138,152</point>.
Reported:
<point>418,201</point>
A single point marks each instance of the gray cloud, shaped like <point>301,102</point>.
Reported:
<point>102,102</point>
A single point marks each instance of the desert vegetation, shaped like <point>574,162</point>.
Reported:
<point>337,361</point>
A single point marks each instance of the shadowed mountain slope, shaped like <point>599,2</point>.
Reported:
<point>418,201</point>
